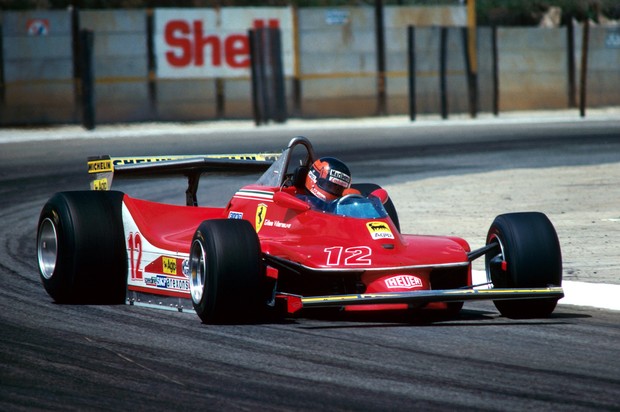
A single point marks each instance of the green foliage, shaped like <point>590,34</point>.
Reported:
<point>489,12</point>
<point>529,12</point>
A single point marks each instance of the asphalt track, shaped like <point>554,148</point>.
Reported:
<point>444,177</point>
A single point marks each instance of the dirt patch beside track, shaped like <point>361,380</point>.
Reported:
<point>583,202</point>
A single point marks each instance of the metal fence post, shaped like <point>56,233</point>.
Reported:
<point>268,89</point>
<point>495,70</point>
<point>75,50</point>
<point>2,85</point>
<point>151,64</point>
<point>443,56</point>
<point>277,70</point>
<point>584,68</point>
<point>87,39</point>
<point>256,68</point>
<point>470,72</point>
<point>570,57</point>
<point>411,71</point>
<point>381,66</point>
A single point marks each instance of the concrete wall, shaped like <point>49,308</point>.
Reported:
<point>336,68</point>
<point>38,69</point>
<point>427,58</point>
<point>121,64</point>
<point>603,87</point>
<point>532,68</point>
<point>337,62</point>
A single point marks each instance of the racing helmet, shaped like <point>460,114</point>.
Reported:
<point>327,178</point>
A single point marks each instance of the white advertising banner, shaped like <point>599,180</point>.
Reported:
<point>209,43</point>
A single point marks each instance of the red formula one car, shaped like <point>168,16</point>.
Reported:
<point>275,246</point>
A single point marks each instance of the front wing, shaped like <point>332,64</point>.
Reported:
<point>296,302</point>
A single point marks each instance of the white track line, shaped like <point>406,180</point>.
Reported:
<point>596,295</point>
<point>219,127</point>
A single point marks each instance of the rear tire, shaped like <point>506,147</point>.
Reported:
<point>367,188</point>
<point>81,248</point>
<point>225,272</point>
<point>529,245</point>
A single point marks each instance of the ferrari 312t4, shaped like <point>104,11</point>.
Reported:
<point>272,249</point>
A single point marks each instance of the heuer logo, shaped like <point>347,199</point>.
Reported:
<point>261,211</point>
<point>403,281</point>
<point>379,230</point>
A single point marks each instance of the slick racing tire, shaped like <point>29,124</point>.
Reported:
<point>529,245</point>
<point>367,188</point>
<point>81,248</point>
<point>225,272</point>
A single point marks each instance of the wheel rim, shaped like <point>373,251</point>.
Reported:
<point>197,270</point>
<point>47,248</point>
<point>501,256</point>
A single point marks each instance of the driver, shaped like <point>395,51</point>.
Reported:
<point>328,179</point>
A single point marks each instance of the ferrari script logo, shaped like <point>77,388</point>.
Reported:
<point>261,211</point>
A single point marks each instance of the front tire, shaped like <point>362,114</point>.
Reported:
<point>528,256</point>
<point>225,272</point>
<point>81,248</point>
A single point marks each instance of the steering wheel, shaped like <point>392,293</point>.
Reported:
<point>337,202</point>
<point>350,196</point>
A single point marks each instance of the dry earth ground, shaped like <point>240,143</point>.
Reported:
<point>583,202</point>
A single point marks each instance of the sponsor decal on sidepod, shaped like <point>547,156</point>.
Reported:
<point>403,282</point>
<point>379,230</point>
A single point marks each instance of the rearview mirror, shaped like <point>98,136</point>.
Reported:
<point>289,201</point>
<point>382,194</point>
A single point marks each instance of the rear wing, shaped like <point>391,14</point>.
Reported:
<point>103,169</point>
